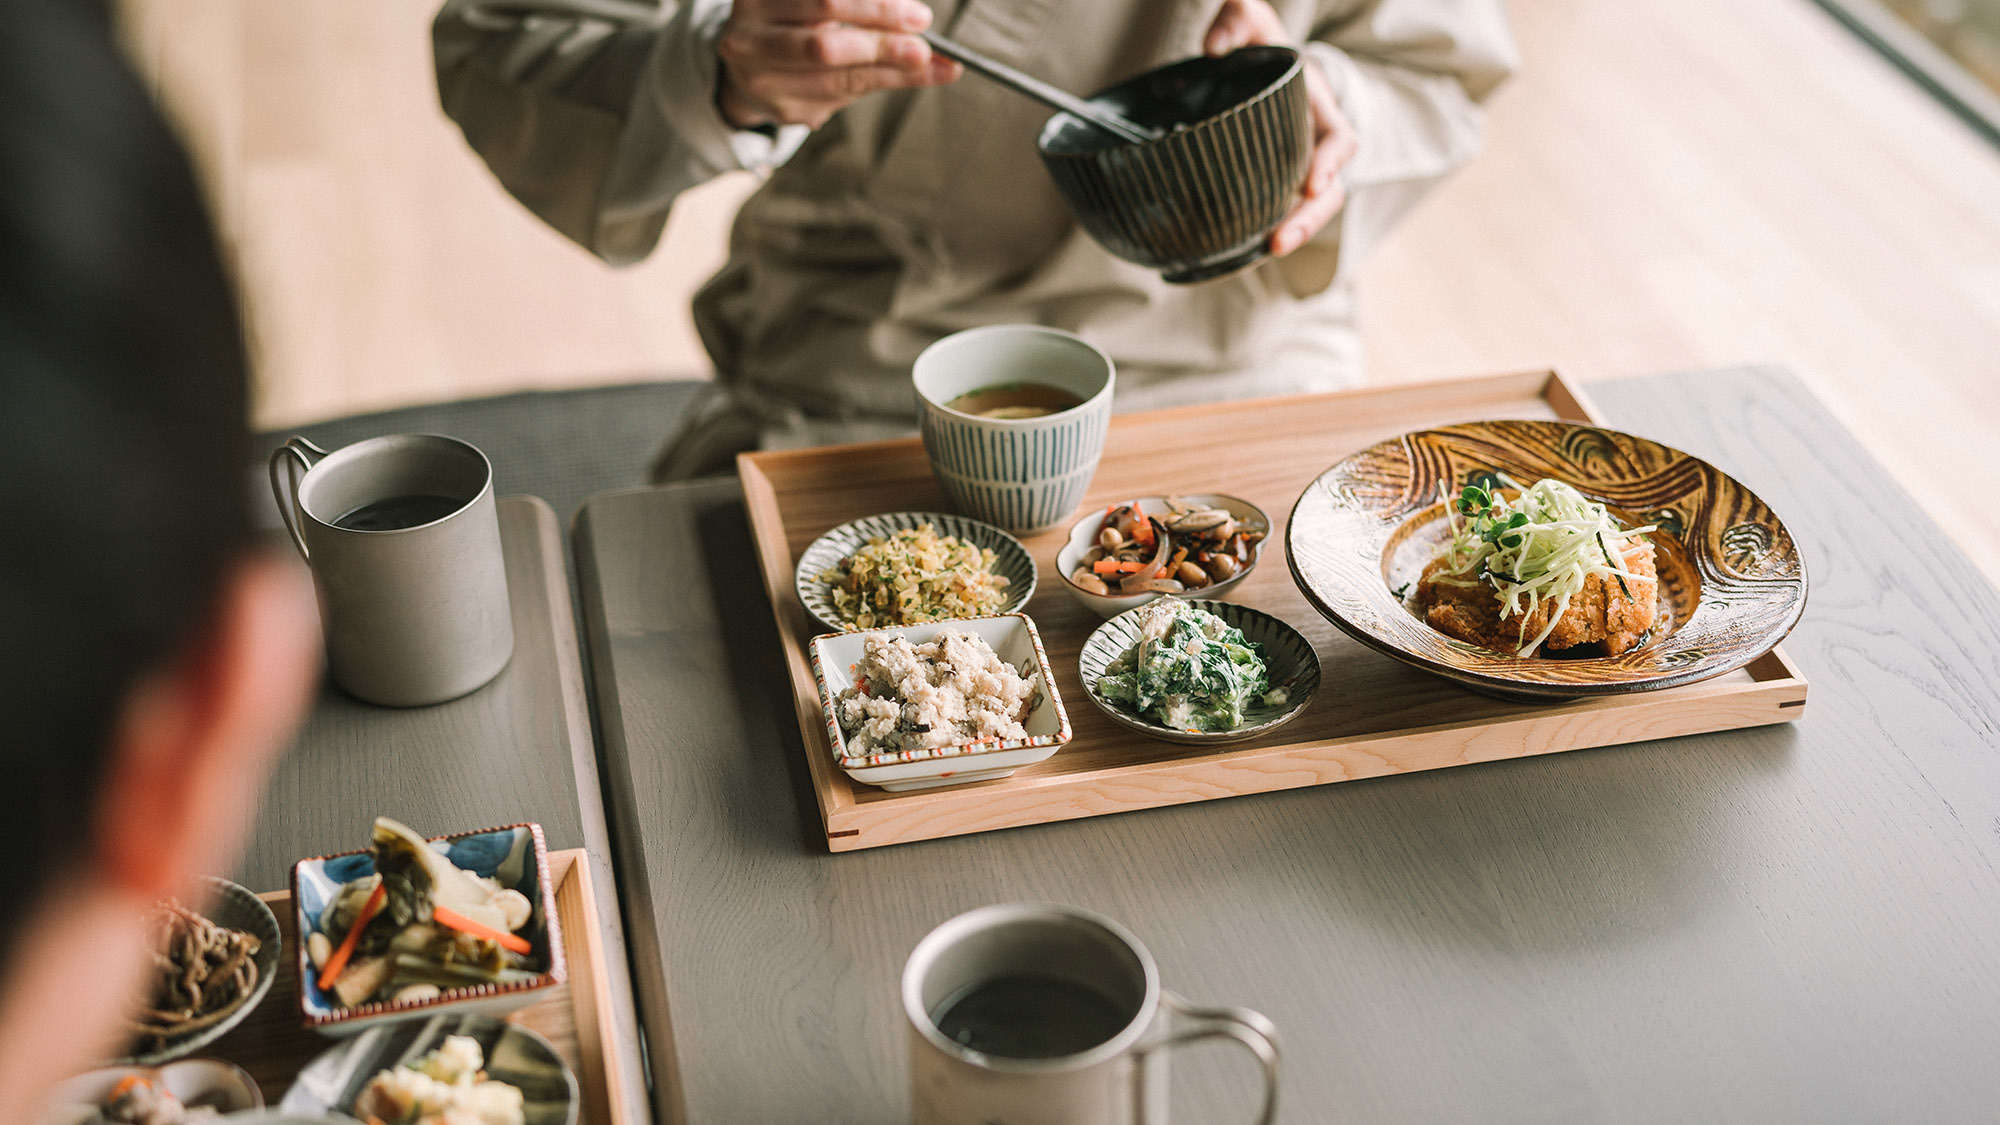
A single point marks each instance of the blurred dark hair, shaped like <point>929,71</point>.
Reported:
<point>123,435</point>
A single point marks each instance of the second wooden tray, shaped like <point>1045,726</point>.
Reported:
<point>1372,716</point>
<point>273,1046</point>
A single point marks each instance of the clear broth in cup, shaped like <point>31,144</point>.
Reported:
<point>1015,400</point>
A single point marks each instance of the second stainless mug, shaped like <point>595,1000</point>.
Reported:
<point>1072,1016</point>
<point>403,537</point>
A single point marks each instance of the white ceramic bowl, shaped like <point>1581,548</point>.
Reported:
<point>1289,660</point>
<point>1023,474</point>
<point>1013,639</point>
<point>195,1083</point>
<point>1083,536</point>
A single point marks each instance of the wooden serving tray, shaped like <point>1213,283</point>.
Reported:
<point>1372,716</point>
<point>273,1045</point>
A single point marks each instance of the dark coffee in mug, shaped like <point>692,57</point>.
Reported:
<point>396,513</point>
<point>1029,1016</point>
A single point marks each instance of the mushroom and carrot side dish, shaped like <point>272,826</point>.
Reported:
<point>417,926</point>
<point>1191,548</point>
<point>1539,570</point>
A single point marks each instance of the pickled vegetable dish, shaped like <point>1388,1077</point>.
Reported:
<point>418,926</point>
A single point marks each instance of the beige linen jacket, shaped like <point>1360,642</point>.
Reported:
<point>914,214</point>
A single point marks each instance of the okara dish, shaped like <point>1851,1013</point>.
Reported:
<point>1198,545</point>
<point>406,927</point>
<point>909,568</point>
<point>983,723</point>
<point>1729,578</point>
<point>1199,672</point>
<point>209,972</point>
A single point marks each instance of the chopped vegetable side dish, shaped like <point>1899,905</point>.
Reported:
<point>1190,670</point>
<point>915,576</point>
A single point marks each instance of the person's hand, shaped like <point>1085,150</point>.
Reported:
<point>797,62</point>
<point>1241,23</point>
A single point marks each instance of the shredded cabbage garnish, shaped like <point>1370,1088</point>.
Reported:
<point>1536,548</point>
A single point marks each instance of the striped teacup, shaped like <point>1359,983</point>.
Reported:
<point>1022,474</point>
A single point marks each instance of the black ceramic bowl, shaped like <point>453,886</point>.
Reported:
<point>1202,199</point>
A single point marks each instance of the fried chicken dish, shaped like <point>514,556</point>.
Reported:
<point>1539,572</point>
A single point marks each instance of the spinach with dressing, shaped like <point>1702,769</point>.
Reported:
<point>1190,670</point>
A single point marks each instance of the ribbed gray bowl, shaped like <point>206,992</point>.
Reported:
<point>1010,559</point>
<point>1289,660</point>
<point>1202,199</point>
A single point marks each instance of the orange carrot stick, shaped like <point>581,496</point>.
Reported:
<point>512,942</point>
<point>337,964</point>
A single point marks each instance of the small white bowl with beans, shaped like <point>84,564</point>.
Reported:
<point>1191,520</point>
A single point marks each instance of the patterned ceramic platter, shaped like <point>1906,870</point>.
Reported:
<point>1010,559</point>
<point>1732,583</point>
<point>1289,661</point>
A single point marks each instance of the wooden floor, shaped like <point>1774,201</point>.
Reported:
<point>1668,184</point>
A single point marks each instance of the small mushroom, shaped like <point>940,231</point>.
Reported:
<point>1200,520</point>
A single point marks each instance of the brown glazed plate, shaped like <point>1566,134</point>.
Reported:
<point>1732,583</point>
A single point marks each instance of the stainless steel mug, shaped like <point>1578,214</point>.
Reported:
<point>403,538</point>
<point>1082,977</point>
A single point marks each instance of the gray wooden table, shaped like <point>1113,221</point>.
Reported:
<point>1791,923</point>
<point>518,749</point>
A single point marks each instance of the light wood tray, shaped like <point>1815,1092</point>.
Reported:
<point>1372,716</point>
<point>273,1045</point>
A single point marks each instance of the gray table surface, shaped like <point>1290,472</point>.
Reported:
<point>1790,923</point>
<point>518,749</point>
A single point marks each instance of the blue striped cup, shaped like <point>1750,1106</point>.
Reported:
<point>1022,474</point>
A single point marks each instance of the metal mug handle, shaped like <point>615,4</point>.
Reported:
<point>1252,1029</point>
<point>302,456</point>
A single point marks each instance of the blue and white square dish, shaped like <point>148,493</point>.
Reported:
<point>516,856</point>
<point>1013,638</point>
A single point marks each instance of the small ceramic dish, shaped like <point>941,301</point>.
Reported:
<point>1289,662</point>
<point>1083,536</point>
<point>1013,638</point>
<point>232,907</point>
<point>195,1083</point>
<point>515,855</point>
<point>513,1054</point>
<point>1731,582</point>
<point>1010,559</point>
